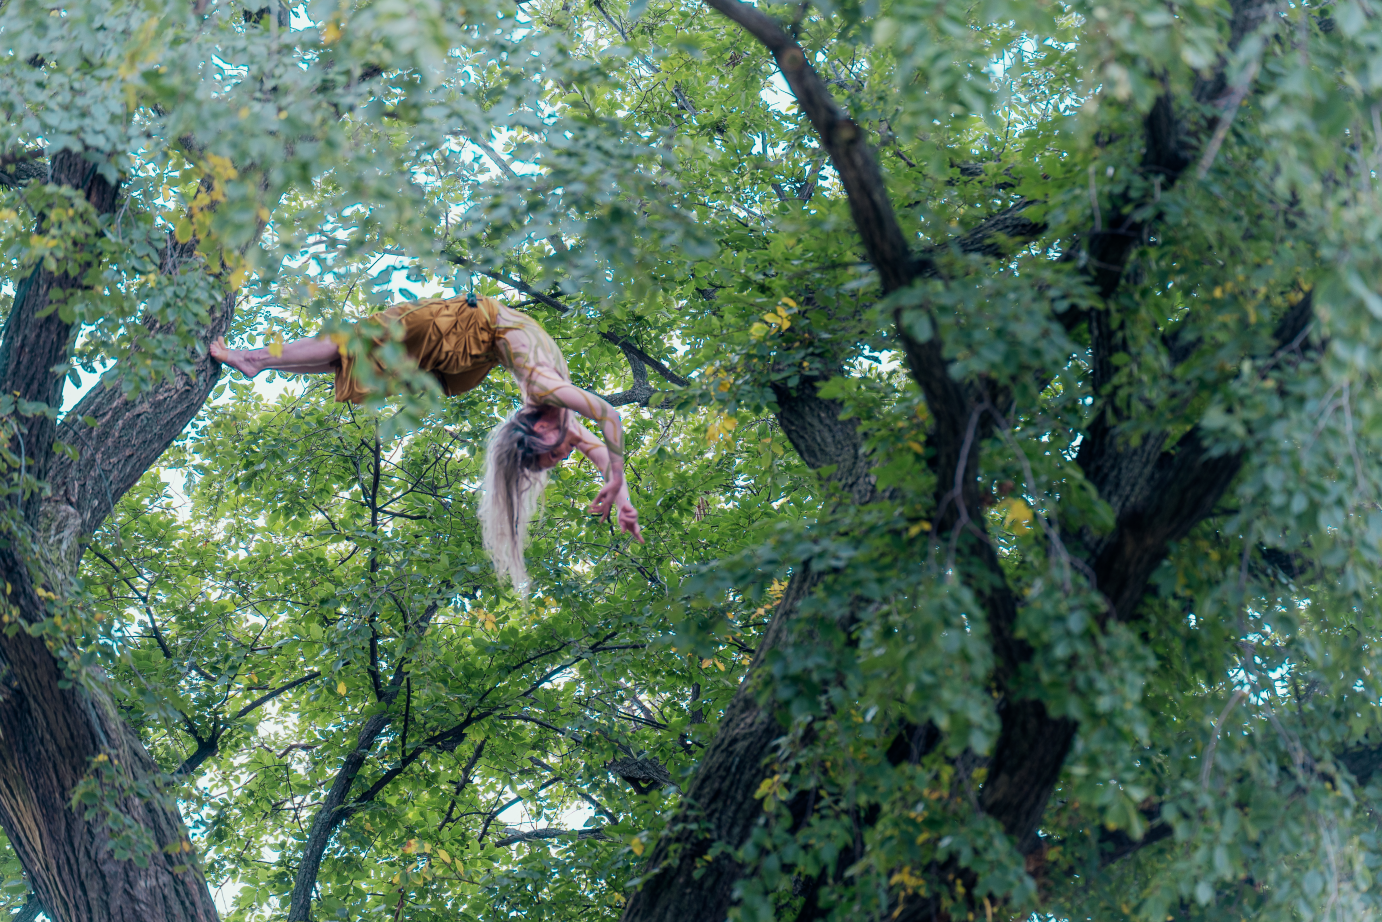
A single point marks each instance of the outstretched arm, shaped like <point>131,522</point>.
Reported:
<point>626,515</point>
<point>608,457</point>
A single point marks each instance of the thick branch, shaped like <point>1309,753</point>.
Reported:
<point>719,807</point>
<point>129,435</point>
<point>30,911</point>
<point>333,807</point>
<point>844,140</point>
<point>543,835</point>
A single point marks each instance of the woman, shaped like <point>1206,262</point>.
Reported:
<point>459,340</point>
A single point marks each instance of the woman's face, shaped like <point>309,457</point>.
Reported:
<point>551,428</point>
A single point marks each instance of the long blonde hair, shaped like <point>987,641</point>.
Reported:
<point>511,490</point>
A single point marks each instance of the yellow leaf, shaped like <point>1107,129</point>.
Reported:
<point>720,427</point>
<point>341,687</point>
<point>918,528</point>
<point>236,279</point>
<point>719,665</point>
<point>636,844</point>
<point>705,663</point>
<point>410,847</point>
<point>332,32</point>
<point>244,112</point>
<point>182,231</point>
<point>789,302</point>
<point>263,213</point>
<point>275,347</point>
<point>1017,515</point>
<point>909,881</point>
<point>758,331</point>
<point>768,787</point>
<point>916,446</point>
<point>441,853</point>
<point>221,167</point>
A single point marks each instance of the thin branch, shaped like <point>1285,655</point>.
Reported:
<point>1207,769</point>
<point>264,699</point>
<point>621,342</point>
<point>462,782</point>
<point>148,609</point>
<point>1230,106</point>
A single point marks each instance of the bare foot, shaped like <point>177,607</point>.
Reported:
<point>235,358</point>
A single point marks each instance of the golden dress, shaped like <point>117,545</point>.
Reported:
<point>444,336</point>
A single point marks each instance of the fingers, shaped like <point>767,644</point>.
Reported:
<point>608,500</point>
<point>603,504</point>
<point>628,522</point>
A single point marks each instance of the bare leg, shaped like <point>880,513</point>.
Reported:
<point>303,356</point>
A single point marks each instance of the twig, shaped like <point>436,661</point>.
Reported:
<point>1208,767</point>
<point>1094,200</point>
<point>1235,98</point>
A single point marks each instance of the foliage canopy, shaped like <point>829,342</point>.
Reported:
<point>1001,410</point>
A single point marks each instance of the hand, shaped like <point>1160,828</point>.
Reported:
<point>608,496</point>
<point>615,495</point>
<point>628,519</point>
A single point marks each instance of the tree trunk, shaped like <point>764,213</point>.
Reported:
<point>719,807</point>
<point>127,857</point>
<point>50,735</point>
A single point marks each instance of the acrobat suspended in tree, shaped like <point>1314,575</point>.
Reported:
<point>458,340</point>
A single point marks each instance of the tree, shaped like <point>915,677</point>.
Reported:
<point>1001,400</point>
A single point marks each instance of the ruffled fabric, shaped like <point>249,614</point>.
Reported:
<point>445,336</point>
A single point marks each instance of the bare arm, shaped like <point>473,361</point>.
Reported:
<point>594,408</point>
<point>588,445</point>
<point>615,494</point>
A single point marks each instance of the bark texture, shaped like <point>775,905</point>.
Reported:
<point>55,732</point>
<point>719,807</point>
